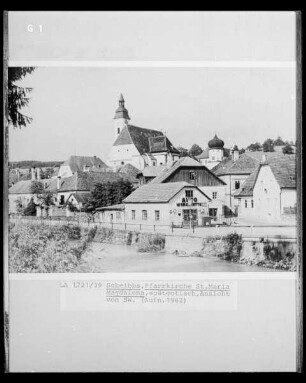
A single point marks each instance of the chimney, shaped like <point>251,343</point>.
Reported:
<point>38,173</point>
<point>33,174</point>
<point>235,155</point>
<point>264,158</point>
<point>58,185</point>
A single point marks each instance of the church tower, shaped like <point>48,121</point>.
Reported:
<point>121,117</point>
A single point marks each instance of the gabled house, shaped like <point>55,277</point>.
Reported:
<point>189,170</point>
<point>173,203</point>
<point>269,193</point>
<point>234,172</point>
<point>138,146</point>
<point>81,164</point>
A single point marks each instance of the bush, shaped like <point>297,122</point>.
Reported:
<point>43,249</point>
<point>151,243</point>
<point>73,231</point>
<point>227,247</point>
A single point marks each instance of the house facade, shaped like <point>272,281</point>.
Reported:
<point>189,170</point>
<point>269,193</point>
<point>175,203</point>
<point>137,146</point>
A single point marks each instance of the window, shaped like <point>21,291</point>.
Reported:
<point>191,175</point>
<point>214,195</point>
<point>122,162</point>
<point>252,203</point>
<point>118,130</point>
<point>133,215</point>
<point>266,190</point>
<point>189,193</point>
<point>245,203</point>
<point>156,215</point>
<point>239,201</point>
<point>144,215</point>
<point>237,185</point>
<point>117,215</point>
<point>154,163</point>
<point>213,158</point>
<point>62,200</point>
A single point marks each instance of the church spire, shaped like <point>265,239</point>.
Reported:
<point>121,100</point>
<point>121,111</point>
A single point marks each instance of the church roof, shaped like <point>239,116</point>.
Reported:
<point>140,137</point>
<point>161,144</point>
<point>215,143</point>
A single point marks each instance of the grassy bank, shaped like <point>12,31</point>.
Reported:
<point>46,249</point>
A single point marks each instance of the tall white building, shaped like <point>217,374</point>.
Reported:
<point>137,146</point>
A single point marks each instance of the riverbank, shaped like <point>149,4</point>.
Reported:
<point>112,258</point>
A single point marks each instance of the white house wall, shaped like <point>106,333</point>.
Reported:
<point>64,171</point>
<point>288,199</point>
<point>169,212</point>
<point>266,193</point>
<point>127,154</point>
<point>24,198</point>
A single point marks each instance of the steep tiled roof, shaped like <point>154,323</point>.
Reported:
<point>245,164</point>
<point>77,163</point>
<point>129,170</point>
<point>85,181</point>
<point>24,187</point>
<point>140,138</point>
<point>283,167</point>
<point>161,144</point>
<point>182,162</point>
<point>158,193</point>
<point>284,170</point>
<point>80,197</point>
<point>246,189</point>
<point>204,154</point>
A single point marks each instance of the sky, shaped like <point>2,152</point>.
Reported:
<point>73,107</point>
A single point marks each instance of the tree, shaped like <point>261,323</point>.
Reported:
<point>43,198</point>
<point>279,141</point>
<point>268,145</point>
<point>19,206</point>
<point>30,209</point>
<point>241,151</point>
<point>47,173</point>
<point>254,147</point>
<point>107,194</point>
<point>18,96</point>
<point>288,149</point>
<point>183,151</point>
<point>195,150</point>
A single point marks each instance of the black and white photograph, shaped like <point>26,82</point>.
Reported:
<point>155,168</point>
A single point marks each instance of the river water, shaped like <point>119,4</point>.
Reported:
<point>111,258</point>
